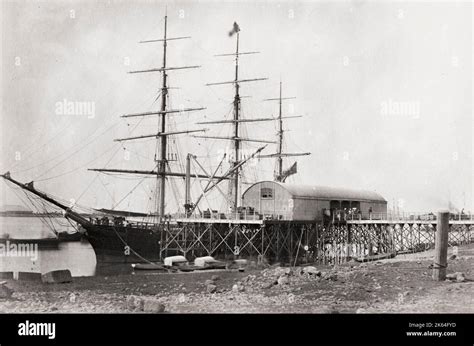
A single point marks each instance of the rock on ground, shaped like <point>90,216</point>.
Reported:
<point>154,306</point>
<point>211,288</point>
<point>135,303</point>
<point>238,288</point>
<point>283,280</point>
<point>268,285</point>
<point>5,291</point>
<point>458,276</point>
<point>277,272</point>
<point>311,270</point>
<point>57,277</point>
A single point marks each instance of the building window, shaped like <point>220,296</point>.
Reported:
<point>266,193</point>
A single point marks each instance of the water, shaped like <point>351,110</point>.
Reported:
<point>77,256</point>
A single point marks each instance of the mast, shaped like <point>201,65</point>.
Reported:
<point>280,137</point>
<point>236,139</point>
<point>280,174</point>
<point>161,178</point>
<point>236,126</point>
<point>187,189</point>
<point>161,163</point>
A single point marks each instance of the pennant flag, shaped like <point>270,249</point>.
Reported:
<point>292,169</point>
<point>286,173</point>
<point>235,29</point>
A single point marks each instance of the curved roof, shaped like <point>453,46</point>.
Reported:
<point>326,192</point>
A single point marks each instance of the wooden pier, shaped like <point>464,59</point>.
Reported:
<point>293,242</point>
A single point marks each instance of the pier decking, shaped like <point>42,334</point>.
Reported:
<point>327,241</point>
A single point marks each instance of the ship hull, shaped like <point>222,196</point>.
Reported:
<point>124,244</point>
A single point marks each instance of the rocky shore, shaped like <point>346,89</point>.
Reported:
<point>395,285</point>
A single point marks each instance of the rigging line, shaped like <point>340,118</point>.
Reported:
<point>43,203</point>
<point>78,150</point>
<point>73,225</point>
<point>156,25</point>
<point>142,179</point>
<point>178,149</point>
<point>139,155</point>
<point>105,187</point>
<point>220,99</point>
<point>40,217</point>
<point>210,147</point>
<point>67,150</point>
<point>174,190</point>
<point>148,192</point>
<point>41,146</point>
<point>130,248</point>
<point>60,223</point>
<point>61,200</point>
<point>77,168</point>
<point>108,129</point>
<point>15,190</point>
<point>93,180</point>
<point>54,158</point>
<point>72,147</point>
<point>175,194</point>
<point>157,97</point>
<point>118,203</point>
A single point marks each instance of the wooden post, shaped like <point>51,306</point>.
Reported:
<point>441,246</point>
<point>187,189</point>
<point>290,248</point>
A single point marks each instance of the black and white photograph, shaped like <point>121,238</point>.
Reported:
<point>239,158</point>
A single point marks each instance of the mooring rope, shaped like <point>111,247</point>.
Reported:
<point>131,249</point>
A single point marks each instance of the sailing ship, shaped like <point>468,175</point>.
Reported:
<point>117,236</point>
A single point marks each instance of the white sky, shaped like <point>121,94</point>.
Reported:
<point>342,60</point>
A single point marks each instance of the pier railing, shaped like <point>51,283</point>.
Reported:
<point>336,216</point>
<point>402,216</point>
<point>244,214</point>
<point>251,215</point>
<point>214,215</point>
